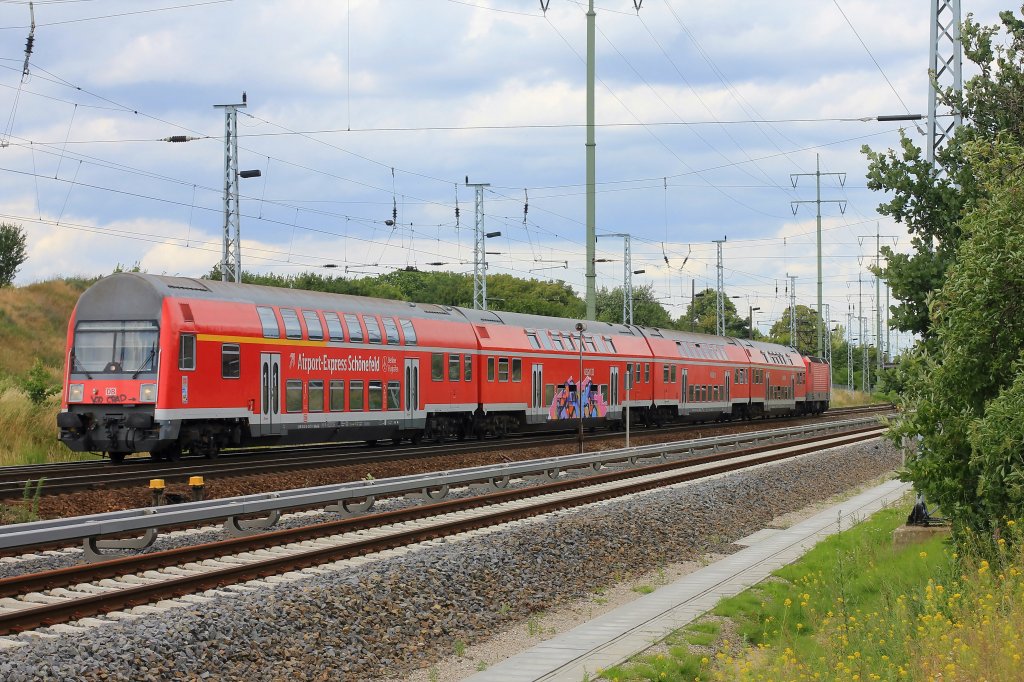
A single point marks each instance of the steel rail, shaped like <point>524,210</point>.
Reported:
<point>50,614</point>
<point>66,477</point>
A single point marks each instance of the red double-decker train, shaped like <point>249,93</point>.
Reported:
<point>170,364</point>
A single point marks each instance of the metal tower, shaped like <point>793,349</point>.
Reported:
<point>865,379</point>
<point>794,205</point>
<point>945,67</point>
<point>231,250</point>
<point>849,349</point>
<point>479,250</point>
<point>792,310</point>
<point>720,293</point>
<point>627,276</point>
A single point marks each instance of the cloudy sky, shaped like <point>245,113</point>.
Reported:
<point>359,110</point>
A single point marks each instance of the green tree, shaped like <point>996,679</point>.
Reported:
<point>931,201</point>
<point>701,316</point>
<point>13,252</point>
<point>965,390</point>
<point>647,311</point>
<point>806,330</point>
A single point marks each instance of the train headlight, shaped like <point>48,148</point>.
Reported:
<point>147,393</point>
<point>76,392</point>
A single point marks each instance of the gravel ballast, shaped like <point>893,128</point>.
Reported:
<point>396,614</point>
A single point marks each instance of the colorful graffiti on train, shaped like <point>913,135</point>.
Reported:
<point>566,402</point>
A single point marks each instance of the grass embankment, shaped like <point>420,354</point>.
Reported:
<point>844,398</point>
<point>33,324</point>
<point>856,609</point>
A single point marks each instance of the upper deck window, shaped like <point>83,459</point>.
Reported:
<point>372,329</point>
<point>292,329</point>
<point>355,330</point>
<point>390,329</point>
<point>115,347</point>
<point>334,329</point>
<point>314,330</point>
<point>409,331</point>
<point>269,322</point>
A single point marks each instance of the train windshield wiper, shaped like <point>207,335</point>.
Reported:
<point>76,363</point>
<point>152,352</point>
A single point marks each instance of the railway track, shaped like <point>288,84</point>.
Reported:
<point>68,477</point>
<point>177,577</point>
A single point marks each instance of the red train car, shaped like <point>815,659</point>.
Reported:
<point>164,364</point>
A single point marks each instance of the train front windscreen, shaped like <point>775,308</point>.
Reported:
<point>116,347</point>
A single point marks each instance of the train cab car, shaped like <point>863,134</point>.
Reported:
<point>546,373</point>
<point>161,364</point>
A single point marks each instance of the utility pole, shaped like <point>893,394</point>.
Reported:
<point>828,343</point>
<point>479,249</point>
<point>865,379</point>
<point>888,347</point>
<point>231,248</point>
<point>878,293</point>
<point>945,67</point>
<point>849,348</point>
<point>591,277</point>
<point>794,205</point>
<point>720,294</point>
<point>792,309</point>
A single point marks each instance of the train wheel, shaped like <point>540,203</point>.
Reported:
<point>212,451</point>
<point>116,457</point>
<point>396,441</point>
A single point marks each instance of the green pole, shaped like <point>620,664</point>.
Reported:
<point>591,172</point>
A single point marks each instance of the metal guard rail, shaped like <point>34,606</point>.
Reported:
<point>356,497</point>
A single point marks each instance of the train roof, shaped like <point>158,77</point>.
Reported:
<point>527,321</point>
<point>140,295</point>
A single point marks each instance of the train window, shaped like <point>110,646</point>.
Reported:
<point>409,331</point>
<point>314,330</point>
<point>704,394</point>
<point>629,371</point>
<point>556,339</point>
<point>549,394</point>
<point>690,393</point>
<point>664,373</point>
<point>437,366</point>
<point>469,367</point>
<point>453,366</point>
<point>534,342</point>
<point>673,379</point>
<point>490,369</point>
<point>570,341</point>
<point>337,390</point>
<point>589,343</point>
<point>502,369</point>
<point>230,363</point>
<point>636,373</point>
<point>292,329</point>
<point>647,372</point>
<point>517,369</point>
<point>390,329</point>
<point>599,342</point>
<point>355,330</point>
<point>334,330</point>
<point>355,396</point>
<point>269,322</point>
<point>611,345</point>
<point>293,395</point>
<point>372,329</point>
<point>376,391</point>
<point>604,393</point>
<point>545,340</point>
<point>316,395</point>
<point>187,351</point>
<point>394,395</point>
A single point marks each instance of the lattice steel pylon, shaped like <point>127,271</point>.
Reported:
<point>849,349</point>
<point>792,310</point>
<point>945,70</point>
<point>828,344</point>
<point>231,249</point>
<point>479,250</point>
<point>720,292</point>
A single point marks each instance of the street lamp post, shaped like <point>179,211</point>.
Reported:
<point>751,321</point>
<point>580,327</point>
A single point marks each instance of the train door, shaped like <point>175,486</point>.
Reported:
<point>767,391</point>
<point>270,394</point>
<point>537,406</point>
<point>613,387</point>
<point>412,390</point>
<point>728,382</point>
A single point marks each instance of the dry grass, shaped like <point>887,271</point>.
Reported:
<point>33,324</point>
<point>844,398</point>
<point>29,431</point>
